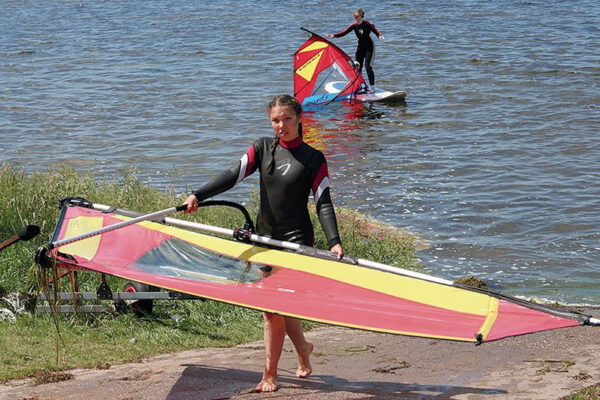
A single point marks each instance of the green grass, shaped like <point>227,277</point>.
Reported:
<point>88,341</point>
<point>31,344</point>
<point>588,393</point>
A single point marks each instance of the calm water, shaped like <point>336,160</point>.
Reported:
<point>494,160</point>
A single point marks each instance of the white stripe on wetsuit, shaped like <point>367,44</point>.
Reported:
<point>321,188</point>
<point>243,166</point>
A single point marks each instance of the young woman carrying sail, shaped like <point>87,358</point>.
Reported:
<point>289,171</point>
<point>365,48</point>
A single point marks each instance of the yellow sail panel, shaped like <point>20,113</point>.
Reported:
<point>314,46</point>
<point>86,248</point>
<point>307,70</point>
<point>417,290</point>
<point>490,319</point>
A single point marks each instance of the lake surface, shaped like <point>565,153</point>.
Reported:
<point>494,160</point>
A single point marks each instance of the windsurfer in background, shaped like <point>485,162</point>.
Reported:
<point>365,48</point>
<point>289,170</point>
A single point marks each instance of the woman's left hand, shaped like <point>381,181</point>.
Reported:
<point>337,249</point>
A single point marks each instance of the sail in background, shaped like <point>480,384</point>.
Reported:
<point>323,72</point>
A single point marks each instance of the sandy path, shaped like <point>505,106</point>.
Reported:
<point>351,364</point>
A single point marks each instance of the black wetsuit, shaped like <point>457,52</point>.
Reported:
<point>298,170</point>
<point>365,48</point>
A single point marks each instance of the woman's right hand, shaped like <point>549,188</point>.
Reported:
<point>192,204</point>
<point>329,34</point>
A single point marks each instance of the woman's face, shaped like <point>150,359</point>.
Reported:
<point>284,122</point>
<point>358,19</point>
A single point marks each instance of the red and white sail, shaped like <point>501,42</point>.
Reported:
<point>324,73</point>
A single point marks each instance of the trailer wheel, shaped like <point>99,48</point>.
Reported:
<point>141,307</point>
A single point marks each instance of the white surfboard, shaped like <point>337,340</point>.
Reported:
<point>378,95</point>
<point>381,95</point>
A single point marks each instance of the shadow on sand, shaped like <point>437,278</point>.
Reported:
<point>198,381</point>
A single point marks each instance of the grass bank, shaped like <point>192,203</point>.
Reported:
<point>31,345</point>
<point>588,393</point>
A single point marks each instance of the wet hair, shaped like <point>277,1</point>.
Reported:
<point>283,100</point>
<point>359,13</point>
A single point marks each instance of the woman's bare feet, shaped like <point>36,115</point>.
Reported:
<point>304,367</point>
<point>267,385</point>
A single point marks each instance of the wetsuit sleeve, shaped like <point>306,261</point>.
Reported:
<point>229,178</point>
<point>373,29</point>
<point>325,210</point>
<point>346,31</point>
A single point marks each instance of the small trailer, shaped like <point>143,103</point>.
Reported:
<point>137,297</point>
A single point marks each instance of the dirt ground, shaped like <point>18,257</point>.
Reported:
<point>351,364</point>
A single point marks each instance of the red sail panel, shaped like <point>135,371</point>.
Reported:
<point>323,72</point>
<point>319,299</point>
<point>303,287</point>
<point>514,319</point>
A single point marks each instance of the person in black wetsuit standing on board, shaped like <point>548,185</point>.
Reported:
<point>289,171</point>
<point>365,48</point>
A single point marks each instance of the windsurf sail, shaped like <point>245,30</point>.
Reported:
<point>306,283</point>
<point>323,72</point>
